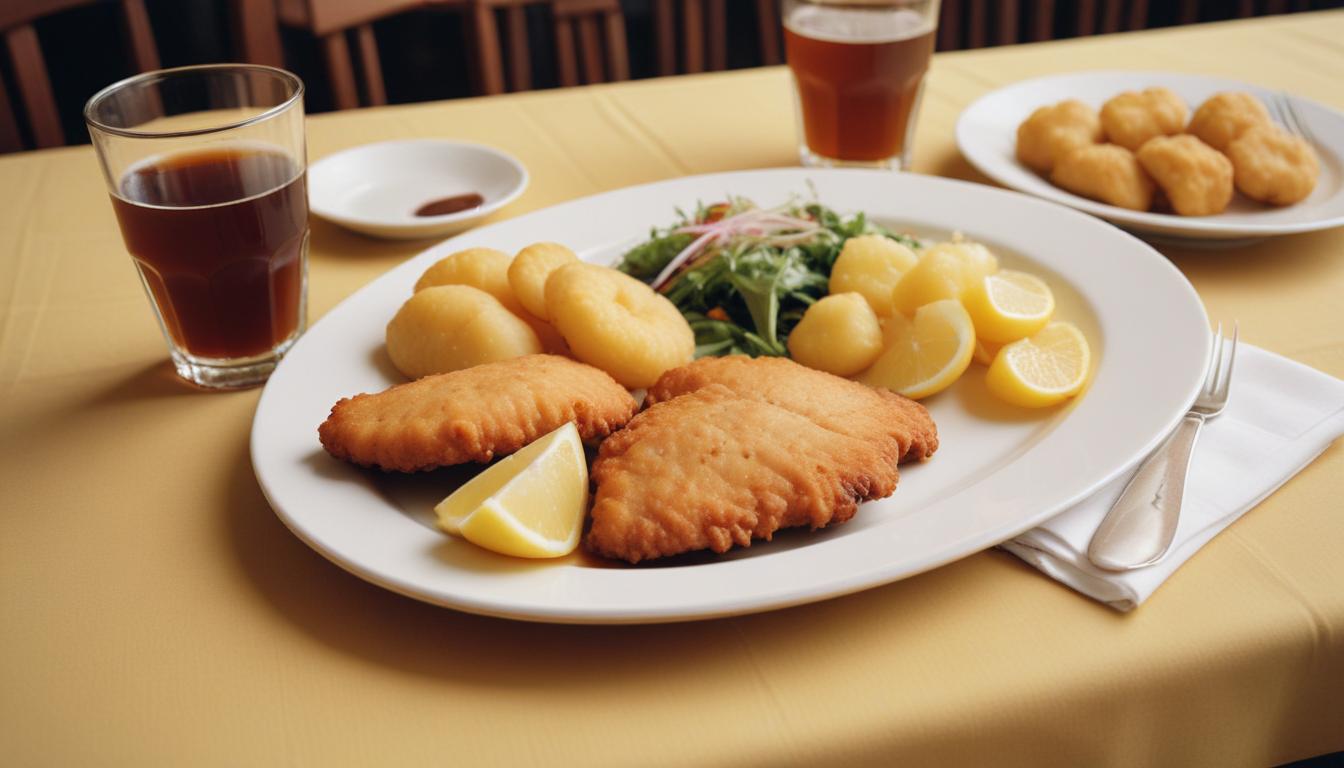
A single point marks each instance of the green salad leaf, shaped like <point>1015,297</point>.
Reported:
<point>745,291</point>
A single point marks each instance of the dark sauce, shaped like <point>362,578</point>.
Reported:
<point>219,237</point>
<point>447,205</point>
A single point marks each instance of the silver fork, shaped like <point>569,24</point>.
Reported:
<point>1140,527</point>
<point>1283,111</point>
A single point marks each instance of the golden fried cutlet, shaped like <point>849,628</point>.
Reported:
<point>474,414</point>
<point>838,404</point>
<point>713,469</point>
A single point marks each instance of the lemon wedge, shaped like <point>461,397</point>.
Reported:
<point>529,504</point>
<point>1009,305</point>
<point>925,355</point>
<point>985,351</point>
<point>1043,369</point>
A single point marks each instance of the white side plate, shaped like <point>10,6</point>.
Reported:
<point>999,470</point>
<point>375,189</point>
<point>987,136</point>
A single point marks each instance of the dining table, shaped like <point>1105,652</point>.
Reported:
<point>154,610</point>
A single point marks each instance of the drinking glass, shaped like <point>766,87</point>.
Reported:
<point>858,67</point>
<point>206,168</point>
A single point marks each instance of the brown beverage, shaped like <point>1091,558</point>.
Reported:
<point>218,236</point>
<point>858,83</point>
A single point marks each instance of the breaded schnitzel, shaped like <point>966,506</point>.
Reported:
<point>474,414</point>
<point>711,469</point>
<point>832,402</point>
<point>732,449</point>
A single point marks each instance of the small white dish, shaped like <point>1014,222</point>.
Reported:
<point>375,189</point>
<point>987,137</point>
<point>997,473</point>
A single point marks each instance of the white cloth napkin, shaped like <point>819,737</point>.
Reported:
<point>1280,416</point>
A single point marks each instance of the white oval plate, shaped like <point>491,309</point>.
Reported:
<point>375,189</point>
<point>987,136</point>
<point>998,472</point>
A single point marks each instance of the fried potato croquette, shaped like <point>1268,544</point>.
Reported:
<point>871,265</point>
<point>839,405</point>
<point>839,334</point>
<point>1273,166</point>
<point>1105,172</point>
<point>1225,116</point>
<point>528,272</point>
<point>711,470</point>
<point>1052,131</point>
<point>474,415</point>
<point>449,327</point>
<point>1133,117</point>
<point>618,323</point>
<point>1195,177</point>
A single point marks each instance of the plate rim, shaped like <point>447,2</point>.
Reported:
<point>1196,227</point>
<point>844,584</point>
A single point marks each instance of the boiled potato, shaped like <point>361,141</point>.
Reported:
<point>977,261</point>
<point>488,270</point>
<point>944,271</point>
<point>483,268</point>
<point>1196,178</point>
<point>839,334</point>
<point>1273,166</point>
<point>617,323</point>
<point>871,265</point>
<point>450,327</point>
<point>529,270</point>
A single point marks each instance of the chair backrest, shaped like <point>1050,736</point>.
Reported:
<point>590,42</point>
<point>30,70</point>
<point>979,23</point>
<point>334,22</point>
<point>704,34</point>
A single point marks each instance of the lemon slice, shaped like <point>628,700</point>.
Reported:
<point>925,355</point>
<point>1043,369</point>
<point>1009,305</point>
<point>529,504</point>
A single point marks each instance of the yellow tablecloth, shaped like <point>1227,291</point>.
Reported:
<point>153,611</point>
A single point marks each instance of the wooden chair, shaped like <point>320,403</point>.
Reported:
<point>30,71</point>
<point>335,23</point>
<point>590,42</point>
<point>979,23</point>
<point>704,34</point>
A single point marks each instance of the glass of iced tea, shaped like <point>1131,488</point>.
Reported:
<point>206,170</point>
<point>859,70</point>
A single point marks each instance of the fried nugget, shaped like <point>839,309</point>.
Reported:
<point>1105,172</point>
<point>1133,117</point>
<point>1225,116</point>
<point>712,469</point>
<point>1052,131</point>
<point>475,414</point>
<point>1273,166</point>
<point>837,404</point>
<point>1195,177</point>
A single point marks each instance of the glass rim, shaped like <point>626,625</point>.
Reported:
<point>161,74</point>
